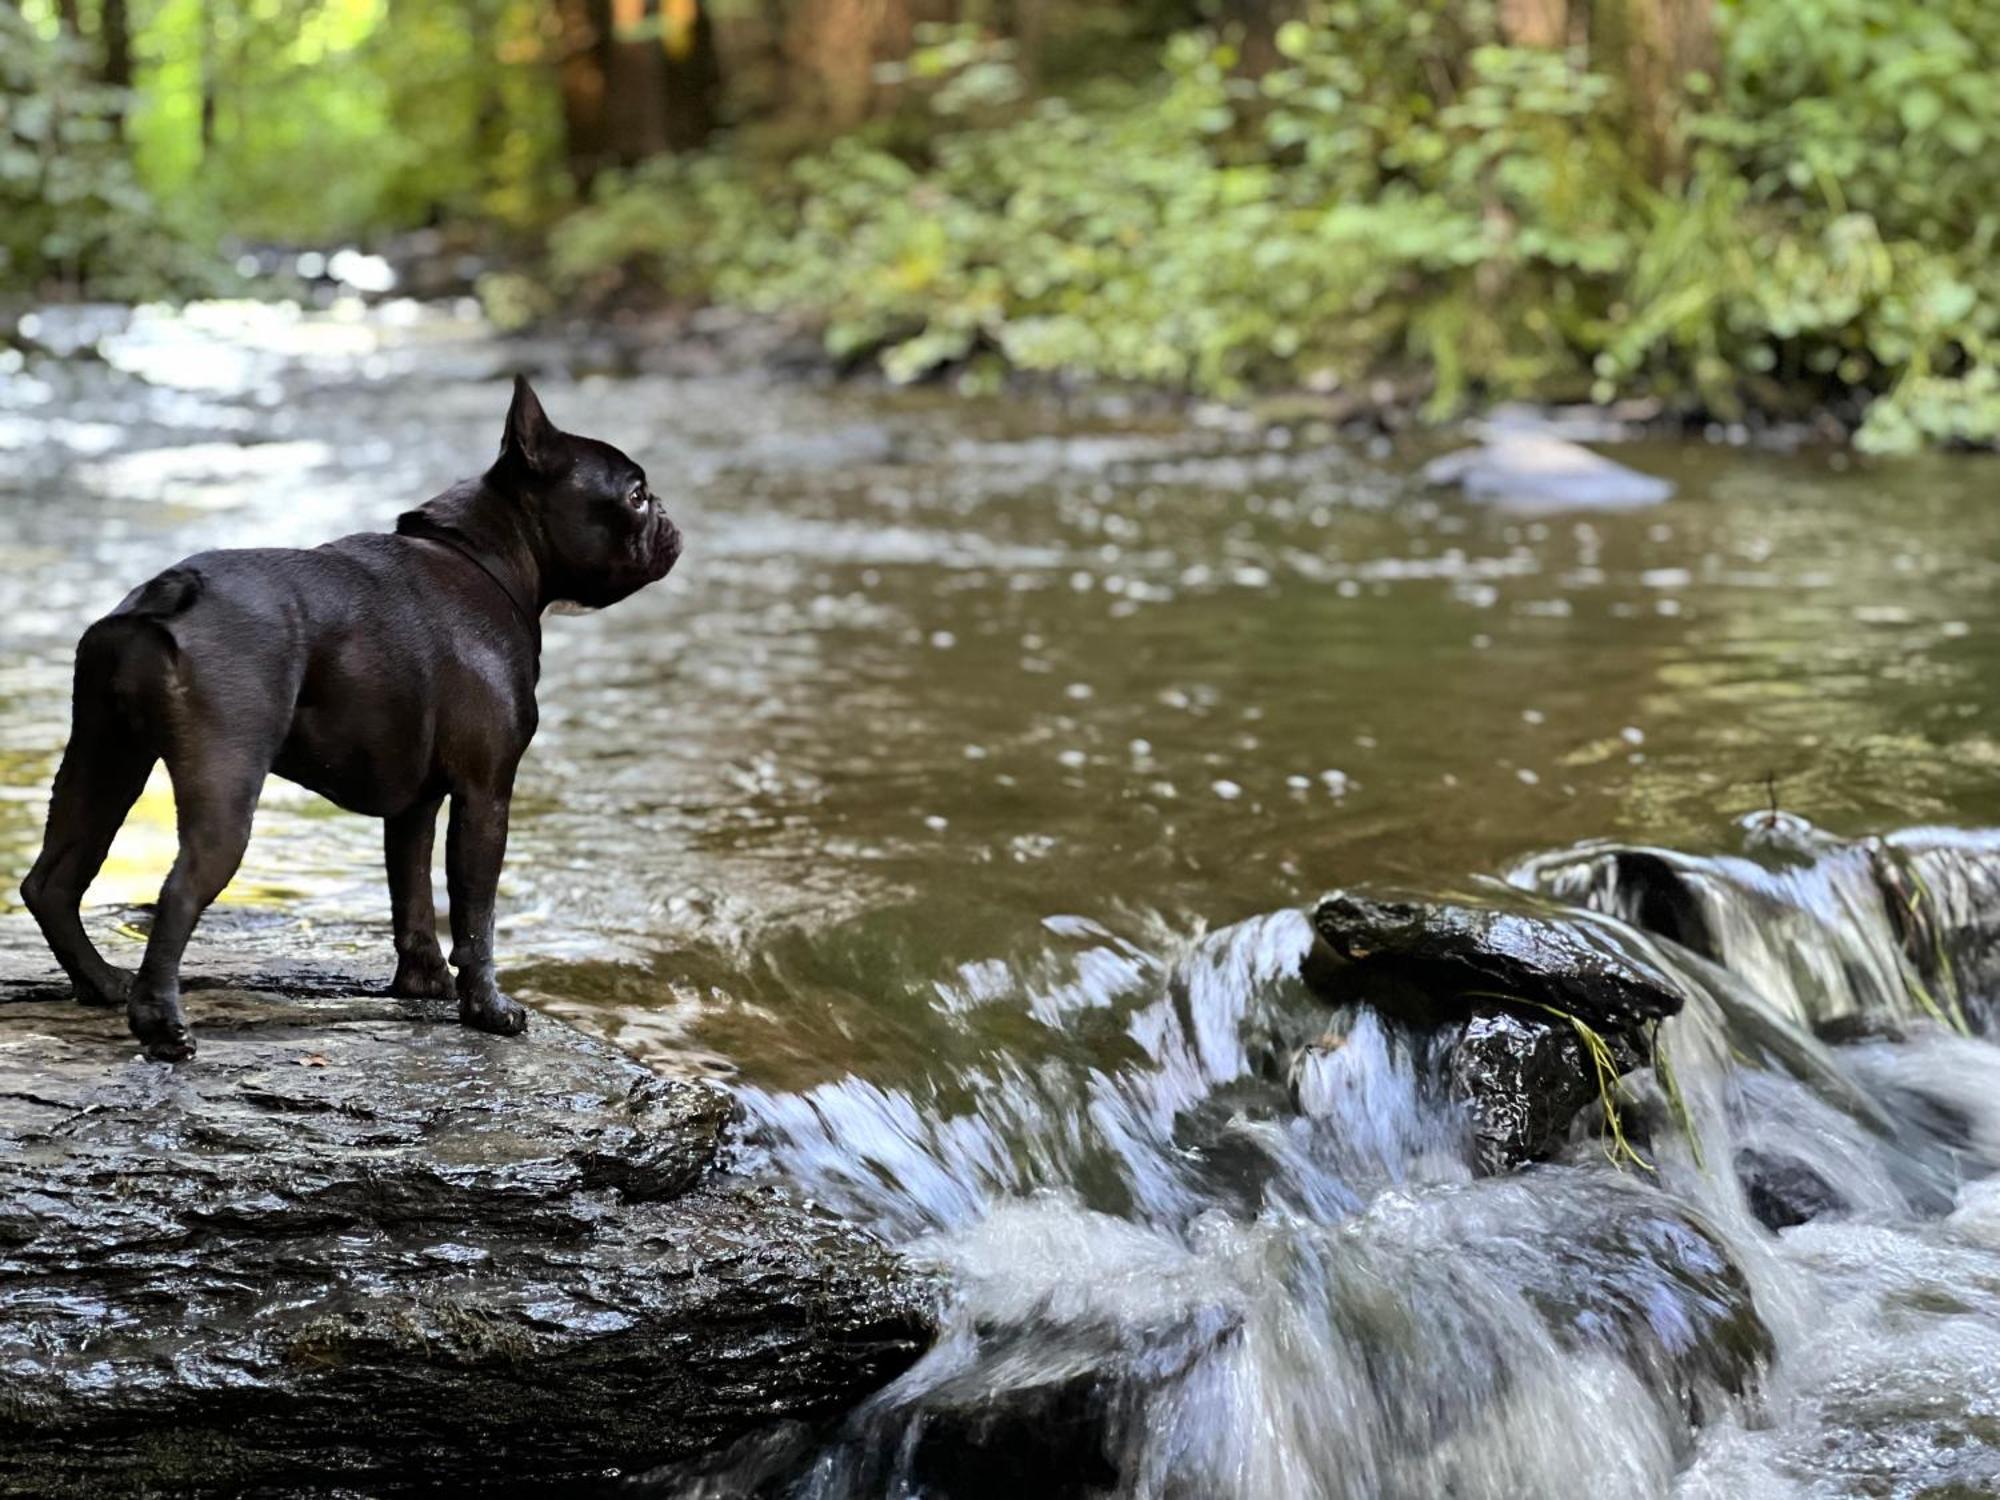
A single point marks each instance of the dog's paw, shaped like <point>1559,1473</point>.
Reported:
<point>162,1032</point>
<point>494,1012</point>
<point>422,976</point>
<point>114,989</point>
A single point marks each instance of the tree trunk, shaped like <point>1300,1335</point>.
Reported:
<point>834,46</point>
<point>1653,45</point>
<point>117,30</point>
<point>638,77</point>
<point>208,81</point>
<point>72,20</point>
<point>691,81</point>
<point>1534,23</point>
<point>489,109</point>
<point>1257,23</point>
<point>583,38</point>
<point>1649,46</point>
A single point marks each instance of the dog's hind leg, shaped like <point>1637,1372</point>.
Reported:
<point>408,839</point>
<point>104,768</point>
<point>215,797</point>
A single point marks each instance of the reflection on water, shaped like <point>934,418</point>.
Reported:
<point>956,797</point>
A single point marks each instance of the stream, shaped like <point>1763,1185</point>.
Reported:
<point>959,801</point>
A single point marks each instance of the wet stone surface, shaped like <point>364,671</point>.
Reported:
<point>1497,989</point>
<point>359,1244</point>
<point>1522,1082</point>
<point>1459,956</point>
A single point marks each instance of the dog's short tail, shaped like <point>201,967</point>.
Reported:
<point>160,598</point>
<point>125,661</point>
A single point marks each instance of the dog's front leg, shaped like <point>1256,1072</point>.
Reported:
<point>407,840</point>
<point>475,844</point>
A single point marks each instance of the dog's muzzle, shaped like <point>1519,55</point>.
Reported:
<point>666,545</point>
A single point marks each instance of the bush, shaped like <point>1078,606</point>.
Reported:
<point>73,218</point>
<point>1403,195</point>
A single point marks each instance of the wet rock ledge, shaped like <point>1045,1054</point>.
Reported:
<point>356,1246</point>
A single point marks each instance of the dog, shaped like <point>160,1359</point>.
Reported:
<point>386,671</point>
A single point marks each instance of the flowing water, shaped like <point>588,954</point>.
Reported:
<point>959,800</point>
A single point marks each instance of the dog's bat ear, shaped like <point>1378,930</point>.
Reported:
<point>531,439</point>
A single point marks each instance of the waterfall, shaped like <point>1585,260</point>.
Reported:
<point>1221,1238</point>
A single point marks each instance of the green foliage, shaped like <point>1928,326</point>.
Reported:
<point>342,120</point>
<point>304,127</point>
<point>73,217</point>
<point>1402,195</point>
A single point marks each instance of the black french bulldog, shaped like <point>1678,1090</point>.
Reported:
<point>384,671</point>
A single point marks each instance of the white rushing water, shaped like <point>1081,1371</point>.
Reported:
<point>1254,1260</point>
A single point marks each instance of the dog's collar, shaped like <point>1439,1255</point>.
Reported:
<point>527,615</point>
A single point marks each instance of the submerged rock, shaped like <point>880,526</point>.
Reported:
<point>1655,1285</point>
<point>1783,1191</point>
<point>1529,470</point>
<point>359,1245</point>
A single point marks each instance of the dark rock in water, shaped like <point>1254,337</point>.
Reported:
<point>1608,1266</point>
<point>1653,1284</point>
<point>1942,890</point>
<point>1463,957</point>
<point>1658,898</point>
<point>1938,889</point>
<point>1522,1082</point>
<point>360,1246</point>
<point>1046,1439</point>
<point>1783,1191</point>
<point>1503,986</point>
<point>1527,470</point>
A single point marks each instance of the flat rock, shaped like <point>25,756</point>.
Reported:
<point>355,1245</point>
<point>1454,958</point>
<point>1531,470</point>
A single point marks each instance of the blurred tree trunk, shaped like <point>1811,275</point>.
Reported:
<point>1258,22</point>
<point>1650,46</point>
<point>1026,22</point>
<point>71,17</point>
<point>663,76</point>
<point>489,110</point>
<point>583,37</point>
<point>1535,23</point>
<point>832,47</point>
<point>1654,45</point>
<point>208,81</point>
<point>691,74</point>
<point>638,77</point>
<point>114,23</point>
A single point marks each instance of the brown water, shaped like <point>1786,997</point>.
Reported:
<point>954,797</point>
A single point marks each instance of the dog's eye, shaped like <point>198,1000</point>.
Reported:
<point>637,498</point>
